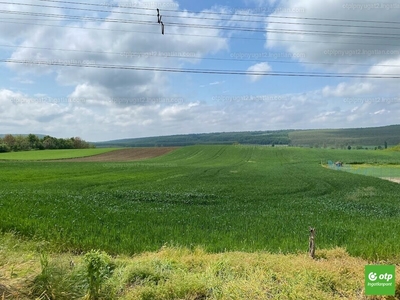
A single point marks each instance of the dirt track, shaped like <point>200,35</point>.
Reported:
<point>129,154</point>
<point>394,179</point>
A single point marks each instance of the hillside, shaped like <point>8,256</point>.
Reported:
<point>374,136</point>
<point>251,137</point>
<point>338,138</point>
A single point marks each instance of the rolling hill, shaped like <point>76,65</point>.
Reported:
<point>338,138</point>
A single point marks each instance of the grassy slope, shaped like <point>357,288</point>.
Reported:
<point>238,198</point>
<point>373,136</point>
<point>179,273</point>
<point>52,154</point>
<point>373,170</point>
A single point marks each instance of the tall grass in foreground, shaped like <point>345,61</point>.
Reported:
<point>180,273</point>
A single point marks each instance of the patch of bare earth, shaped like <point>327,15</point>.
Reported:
<point>129,154</point>
<point>394,179</point>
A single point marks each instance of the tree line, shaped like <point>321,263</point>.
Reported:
<point>32,142</point>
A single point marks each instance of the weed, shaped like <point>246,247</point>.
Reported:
<point>98,269</point>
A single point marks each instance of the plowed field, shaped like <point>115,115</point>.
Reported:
<point>124,155</point>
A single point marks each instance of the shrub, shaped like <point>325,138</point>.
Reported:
<point>98,269</point>
<point>4,148</point>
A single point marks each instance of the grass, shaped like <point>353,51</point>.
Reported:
<point>202,222</point>
<point>26,272</point>
<point>374,170</point>
<point>222,198</point>
<point>395,148</point>
<point>52,154</point>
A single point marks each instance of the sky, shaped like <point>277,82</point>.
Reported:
<point>103,70</point>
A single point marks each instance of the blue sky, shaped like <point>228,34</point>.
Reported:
<point>280,36</point>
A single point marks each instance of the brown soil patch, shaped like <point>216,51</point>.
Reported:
<point>394,179</point>
<point>127,154</point>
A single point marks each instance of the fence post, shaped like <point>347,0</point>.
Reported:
<point>311,245</point>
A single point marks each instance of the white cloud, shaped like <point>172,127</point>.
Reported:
<point>354,42</point>
<point>135,49</point>
<point>260,2</point>
<point>386,67</point>
<point>345,89</point>
<point>112,103</point>
<point>261,68</point>
<point>217,82</point>
<point>380,112</point>
<point>91,122</point>
<point>177,112</point>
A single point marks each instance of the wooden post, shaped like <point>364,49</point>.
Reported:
<point>311,245</point>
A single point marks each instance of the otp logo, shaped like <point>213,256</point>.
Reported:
<point>372,276</point>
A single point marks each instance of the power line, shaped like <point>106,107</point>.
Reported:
<point>75,8</point>
<point>227,14</point>
<point>154,54</point>
<point>183,25</point>
<point>73,17</point>
<point>247,29</point>
<point>122,30</point>
<point>204,71</point>
<point>201,18</point>
<point>181,34</point>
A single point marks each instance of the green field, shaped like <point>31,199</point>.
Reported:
<point>52,154</point>
<point>380,171</point>
<point>223,198</point>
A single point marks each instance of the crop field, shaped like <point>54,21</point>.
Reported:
<point>52,154</point>
<point>125,154</point>
<point>221,198</point>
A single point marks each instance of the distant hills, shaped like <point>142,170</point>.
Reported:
<point>338,138</point>
<point>253,137</point>
<point>373,136</point>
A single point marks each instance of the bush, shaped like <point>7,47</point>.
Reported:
<point>98,270</point>
<point>4,148</point>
